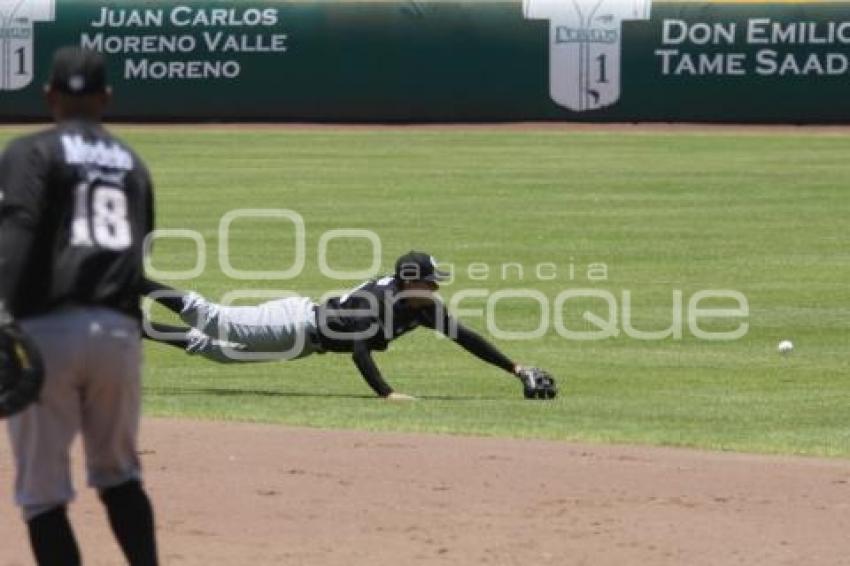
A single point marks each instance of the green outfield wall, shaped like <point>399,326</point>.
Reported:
<point>587,60</point>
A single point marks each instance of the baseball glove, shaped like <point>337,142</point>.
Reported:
<point>537,384</point>
<point>21,371</point>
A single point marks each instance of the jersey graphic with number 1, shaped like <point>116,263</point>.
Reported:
<point>585,42</point>
<point>17,29</point>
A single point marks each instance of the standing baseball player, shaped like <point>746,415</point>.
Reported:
<point>360,322</point>
<point>75,207</point>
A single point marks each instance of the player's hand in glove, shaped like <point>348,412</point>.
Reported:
<point>21,369</point>
<point>537,383</point>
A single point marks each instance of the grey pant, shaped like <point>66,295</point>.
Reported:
<point>92,360</point>
<point>280,329</point>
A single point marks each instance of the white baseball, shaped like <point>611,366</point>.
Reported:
<point>785,347</point>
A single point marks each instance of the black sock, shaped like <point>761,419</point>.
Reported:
<point>131,519</point>
<point>53,540</point>
<point>178,335</point>
<point>172,303</point>
<point>171,298</point>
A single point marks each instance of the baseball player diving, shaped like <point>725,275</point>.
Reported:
<point>76,205</point>
<point>360,322</point>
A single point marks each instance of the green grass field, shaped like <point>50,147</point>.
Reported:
<point>763,213</point>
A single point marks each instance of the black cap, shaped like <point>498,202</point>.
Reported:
<point>418,266</point>
<point>77,71</point>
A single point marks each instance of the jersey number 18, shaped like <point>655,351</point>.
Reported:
<point>100,217</point>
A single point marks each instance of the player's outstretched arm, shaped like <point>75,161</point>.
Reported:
<point>362,356</point>
<point>536,383</point>
<point>478,346</point>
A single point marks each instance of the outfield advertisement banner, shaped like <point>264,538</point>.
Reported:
<point>588,60</point>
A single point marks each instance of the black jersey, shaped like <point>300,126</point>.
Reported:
<point>377,312</point>
<point>75,207</point>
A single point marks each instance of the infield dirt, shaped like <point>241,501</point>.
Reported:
<point>239,494</point>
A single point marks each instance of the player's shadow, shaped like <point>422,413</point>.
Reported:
<point>228,392</point>
<point>458,399</point>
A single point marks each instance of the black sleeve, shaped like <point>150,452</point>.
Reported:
<point>438,318</point>
<point>23,175</point>
<point>150,212</point>
<point>151,217</point>
<point>362,357</point>
<point>148,228</point>
<point>169,297</point>
<point>475,344</point>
